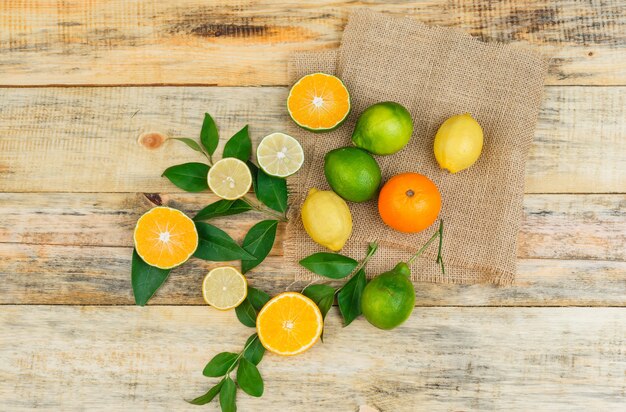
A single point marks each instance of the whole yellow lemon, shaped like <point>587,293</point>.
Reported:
<point>458,143</point>
<point>327,219</point>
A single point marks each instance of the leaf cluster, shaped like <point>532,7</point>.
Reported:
<point>248,378</point>
<point>337,266</point>
<point>215,244</point>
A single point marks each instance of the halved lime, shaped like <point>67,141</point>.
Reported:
<point>224,288</point>
<point>229,178</point>
<point>279,155</point>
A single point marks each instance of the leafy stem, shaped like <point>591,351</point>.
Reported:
<point>239,357</point>
<point>256,206</point>
<point>438,233</point>
<point>371,250</point>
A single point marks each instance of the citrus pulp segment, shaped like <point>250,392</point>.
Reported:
<point>229,178</point>
<point>224,288</point>
<point>289,324</point>
<point>318,102</point>
<point>280,155</point>
<point>165,237</point>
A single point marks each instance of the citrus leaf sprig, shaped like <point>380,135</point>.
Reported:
<point>271,198</point>
<point>248,377</point>
<point>336,266</point>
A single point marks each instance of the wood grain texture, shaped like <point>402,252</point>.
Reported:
<point>247,43</point>
<point>74,248</point>
<point>87,275</point>
<point>442,359</point>
<point>87,139</point>
<point>553,227</point>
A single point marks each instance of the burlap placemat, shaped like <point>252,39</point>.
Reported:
<point>435,73</point>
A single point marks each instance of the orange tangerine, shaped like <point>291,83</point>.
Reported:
<point>409,202</point>
<point>165,237</point>
<point>289,324</point>
<point>318,102</point>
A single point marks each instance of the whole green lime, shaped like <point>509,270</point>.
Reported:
<point>388,299</point>
<point>352,173</point>
<point>383,128</point>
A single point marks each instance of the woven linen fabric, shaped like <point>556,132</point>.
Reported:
<point>435,73</point>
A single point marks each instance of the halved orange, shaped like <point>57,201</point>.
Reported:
<point>165,237</point>
<point>318,102</point>
<point>289,324</point>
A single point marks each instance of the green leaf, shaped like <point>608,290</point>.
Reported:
<point>222,208</point>
<point>349,297</point>
<point>323,296</point>
<point>220,364</point>
<point>246,314</point>
<point>254,171</point>
<point>208,135</point>
<point>189,142</point>
<point>239,145</point>
<point>209,396</point>
<point>258,242</point>
<point>145,279</point>
<point>254,352</point>
<point>216,245</point>
<point>249,379</point>
<point>257,297</point>
<point>227,396</point>
<point>272,191</point>
<point>331,265</point>
<point>191,177</point>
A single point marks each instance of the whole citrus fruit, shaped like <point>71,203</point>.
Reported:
<point>458,143</point>
<point>389,298</point>
<point>352,173</point>
<point>383,128</point>
<point>327,219</point>
<point>409,202</point>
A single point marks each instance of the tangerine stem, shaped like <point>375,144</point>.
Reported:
<point>439,257</point>
<point>240,355</point>
<point>439,233</point>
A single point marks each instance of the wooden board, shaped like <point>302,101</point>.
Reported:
<point>86,139</point>
<point>553,227</point>
<point>74,248</point>
<point>442,359</point>
<point>75,162</point>
<point>248,43</point>
<point>87,275</point>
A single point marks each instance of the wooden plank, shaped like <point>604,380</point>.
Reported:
<point>86,139</point>
<point>553,227</point>
<point>248,43</point>
<point>442,359</point>
<point>87,275</point>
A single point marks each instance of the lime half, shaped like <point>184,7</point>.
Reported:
<point>229,178</point>
<point>279,155</point>
<point>224,288</point>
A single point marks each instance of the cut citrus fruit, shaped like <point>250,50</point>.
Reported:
<point>289,324</point>
<point>224,288</point>
<point>229,178</point>
<point>280,155</point>
<point>165,237</point>
<point>318,102</point>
